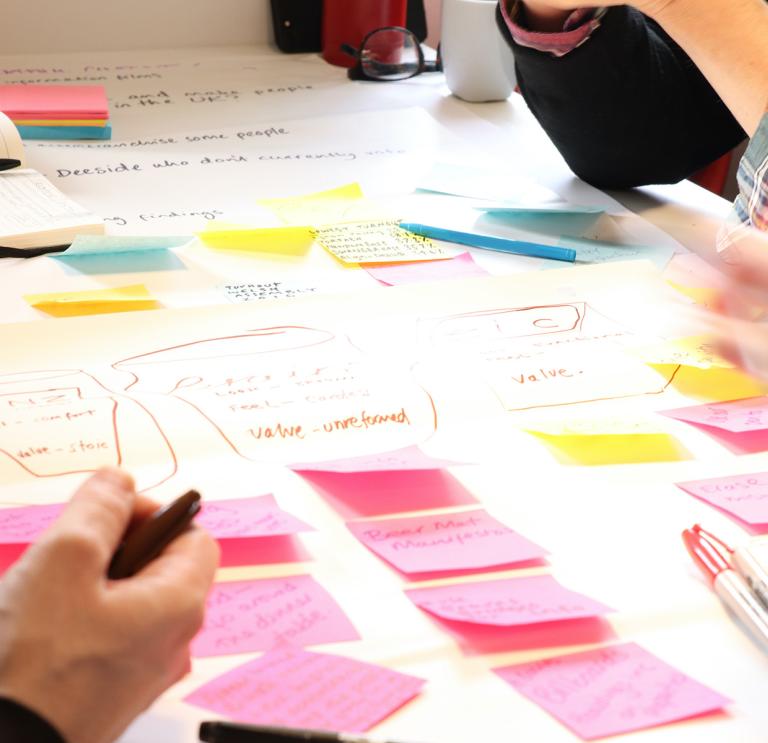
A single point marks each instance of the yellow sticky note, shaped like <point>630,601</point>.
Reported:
<point>347,192</point>
<point>609,441</point>
<point>342,204</point>
<point>286,240</point>
<point>713,384</point>
<point>376,241</point>
<point>94,301</point>
<point>695,350</point>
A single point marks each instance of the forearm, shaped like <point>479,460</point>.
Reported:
<point>727,43</point>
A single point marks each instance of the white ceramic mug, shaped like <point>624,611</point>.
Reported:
<point>477,61</point>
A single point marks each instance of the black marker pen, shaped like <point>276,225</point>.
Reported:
<point>229,732</point>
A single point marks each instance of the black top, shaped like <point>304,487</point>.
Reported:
<point>19,724</point>
<point>628,107</point>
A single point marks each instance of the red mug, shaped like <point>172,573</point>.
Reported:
<point>349,21</point>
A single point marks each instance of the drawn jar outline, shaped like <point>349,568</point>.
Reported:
<point>64,421</point>
<point>289,392</point>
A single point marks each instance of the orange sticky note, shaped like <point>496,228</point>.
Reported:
<point>94,301</point>
<point>60,122</point>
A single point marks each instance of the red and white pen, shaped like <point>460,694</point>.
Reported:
<point>729,586</point>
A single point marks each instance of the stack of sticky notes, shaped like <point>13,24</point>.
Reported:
<point>57,111</point>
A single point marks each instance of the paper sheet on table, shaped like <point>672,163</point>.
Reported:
<point>461,266</point>
<point>609,441</point>
<point>491,185</point>
<point>327,382</point>
<point>379,241</point>
<point>507,602</point>
<point>310,691</point>
<point>450,541</point>
<point>94,301</point>
<point>629,689</point>
<point>743,496</point>
<point>177,183</point>
<point>84,245</point>
<point>736,416</point>
<point>249,615</point>
<point>405,459</point>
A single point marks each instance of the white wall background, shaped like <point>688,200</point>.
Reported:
<point>40,26</point>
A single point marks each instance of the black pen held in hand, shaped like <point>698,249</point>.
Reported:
<point>230,732</point>
<point>152,536</point>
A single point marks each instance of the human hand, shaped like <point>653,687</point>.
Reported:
<point>741,309</point>
<point>88,653</point>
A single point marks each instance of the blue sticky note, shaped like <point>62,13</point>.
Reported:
<point>556,225</point>
<point>65,132</point>
<point>113,244</point>
<point>554,207</point>
<point>597,251</point>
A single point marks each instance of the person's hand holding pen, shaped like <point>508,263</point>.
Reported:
<point>86,652</point>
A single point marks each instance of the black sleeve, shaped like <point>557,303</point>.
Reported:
<point>19,724</point>
<point>628,107</point>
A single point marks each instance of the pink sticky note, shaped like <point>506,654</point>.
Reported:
<point>249,615</point>
<point>736,416</point>
<point>358,494</point>
<point>54,101</point>
<point>506,602</point>
<point>405,459</point>
<point>742,496</point>
<point>453,541</point>
<point>611,690</point>
<point>243,526</point>
<point>248,517</point>
<point>461,266</point>
<point>298,689</point>
<point>19,527</point>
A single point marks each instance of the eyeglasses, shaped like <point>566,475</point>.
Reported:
<point>389,53</point>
